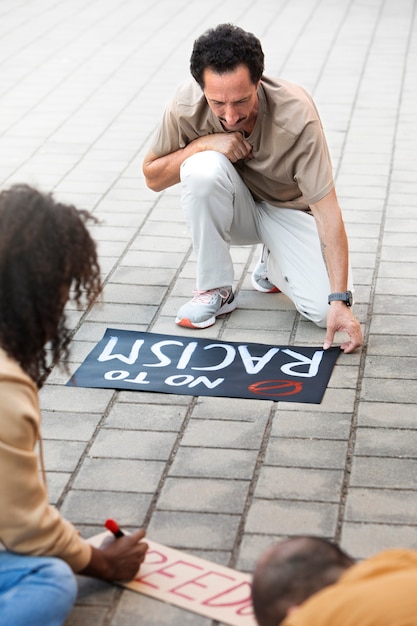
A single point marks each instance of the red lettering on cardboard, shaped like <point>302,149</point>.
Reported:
<point>232,601</point>
<point>197,583</point>
<point>168,572</point>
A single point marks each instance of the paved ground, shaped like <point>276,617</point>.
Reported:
<point>82,86</point>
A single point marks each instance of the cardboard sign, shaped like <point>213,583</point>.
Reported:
<point>204,367</point>
<point>194,584</point>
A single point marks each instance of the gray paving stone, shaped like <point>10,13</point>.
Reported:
<point>388,415</point>
<point>318,453</point>
<point>119,475</point>
<point>275,483</point>
<point>291,517</point>
<point>136,608</point>
<point>311,425</point>
<point>69,426</point>
<point>386,442</point>
<point>62,455</point>
<point>224,434</point>
<point>394,506</point>
<point>389,390</point>
<point>145,416</point>
<point>212,463</point>
<point>86,507</point>
<point>203,495</point>
<point>363,540</point>
<point>133,444</point>
<point>379,472</point>
<point>185,530</point>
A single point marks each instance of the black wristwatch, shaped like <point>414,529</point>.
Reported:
<point>344,296</point>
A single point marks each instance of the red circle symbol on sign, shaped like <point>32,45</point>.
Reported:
<point>276,387</point>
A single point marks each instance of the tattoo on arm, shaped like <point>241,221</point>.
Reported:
<point>323,253</point>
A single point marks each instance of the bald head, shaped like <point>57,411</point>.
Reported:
<point>291,571</point>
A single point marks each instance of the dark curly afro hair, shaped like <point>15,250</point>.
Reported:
<point>223,49</point>
<point>45,251</point>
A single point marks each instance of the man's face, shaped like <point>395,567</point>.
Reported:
<point>233,98</point>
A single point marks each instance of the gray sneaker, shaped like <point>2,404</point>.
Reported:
<point>260,280</point>
<point>203,309</point>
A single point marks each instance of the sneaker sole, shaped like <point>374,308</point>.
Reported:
<point>186,323</point>
<point>256,286</point>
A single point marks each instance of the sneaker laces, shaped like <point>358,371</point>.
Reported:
<point>208,297</point>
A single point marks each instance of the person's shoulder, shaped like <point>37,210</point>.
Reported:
<point>189,94</point>
<point>289,105</point>
<point>385,562</point>
<point>281,92</point>
<point>10,369</point>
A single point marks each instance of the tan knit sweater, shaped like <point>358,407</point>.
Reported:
<point>28,524</point>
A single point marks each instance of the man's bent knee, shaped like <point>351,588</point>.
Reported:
<point>203,171</point>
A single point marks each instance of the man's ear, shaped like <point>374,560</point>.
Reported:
<point>292,609</point>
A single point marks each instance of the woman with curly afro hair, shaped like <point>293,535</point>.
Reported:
<point>47,257</point>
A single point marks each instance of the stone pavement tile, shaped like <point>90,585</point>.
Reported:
<point>388,415</point>
<point>134,609</point>
<point>133,444</point>
<point>212,463</point>
<point>380,367</point>
<point>153,276</point>
<point>251,548</point>
<point>94,592</point>
<point>238,409</point>
<point>383,473</point>
<point>81,615</point>
<point>57,482</point>
<point>224,434</point>
<point>395,305</point>
<point>134,294</point>
<point>296,424</point>
<point>75,399</point>
<point>384,506</point>
<point>275,483</point>
<point>312,453</point>
<point>267,320</point>
<point>391,346</point>
<point>156,244</point>
<point>386,442</point>
<point>94,331</point>
<point>61,455</point>
<point>269,337</point>
<point>143,260</point>
<point>87,507</point>
<point>291,517</point>
<point>122,313</point>
<point>389,390</point>
<point>203,495</point>
<point>145,416</point>
<point>362,540</point>
<point>67,425</point>
<point>119,475</point>
<point>186,530</point>
<point>149,397</point>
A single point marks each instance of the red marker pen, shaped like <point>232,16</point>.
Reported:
<point>113,527</point>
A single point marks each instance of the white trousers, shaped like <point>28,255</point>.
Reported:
<point>220,211</point>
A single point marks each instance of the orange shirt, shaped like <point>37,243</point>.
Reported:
<point>379,591</point>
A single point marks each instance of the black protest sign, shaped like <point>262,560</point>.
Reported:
<point>139,361</point>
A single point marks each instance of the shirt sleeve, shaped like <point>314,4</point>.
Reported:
<point>311,163</point>
<point>28,523</point>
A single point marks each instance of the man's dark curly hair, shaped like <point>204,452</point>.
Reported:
<point>223,49</point>
<point>45,249</point>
